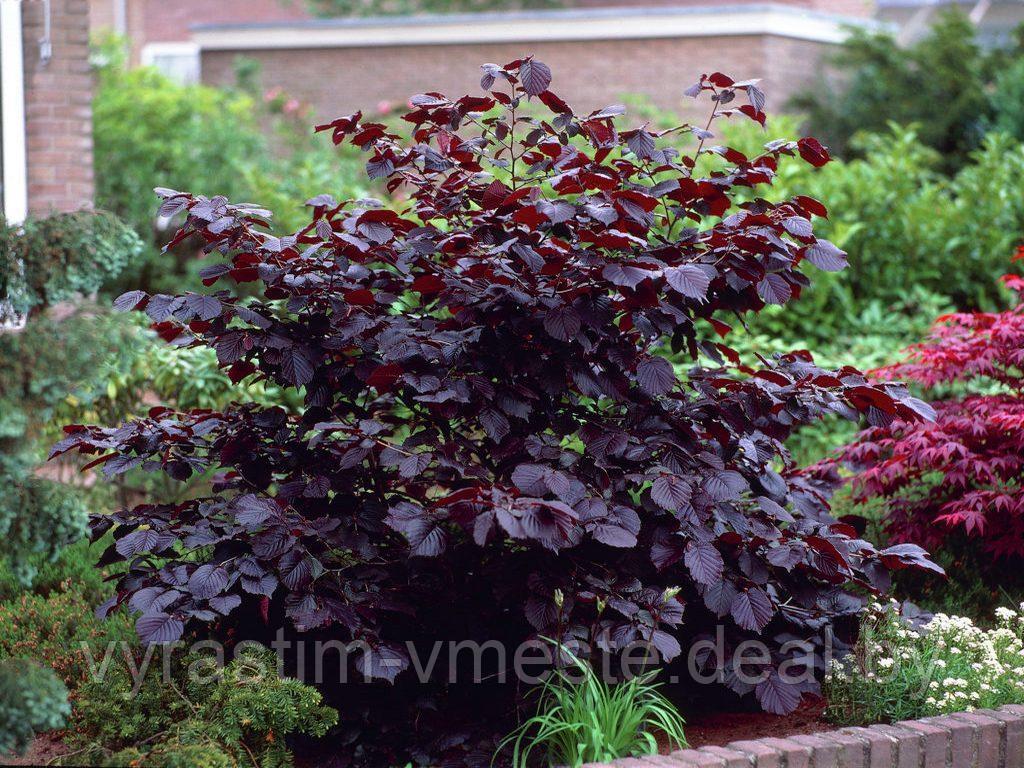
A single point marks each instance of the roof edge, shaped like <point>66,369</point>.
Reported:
<point>757,18</point>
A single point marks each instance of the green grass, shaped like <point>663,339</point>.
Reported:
<point>582,719</point>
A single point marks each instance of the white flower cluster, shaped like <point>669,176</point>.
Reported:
<point>950,665</point>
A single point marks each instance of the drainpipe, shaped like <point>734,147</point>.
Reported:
<point>12,113</point>
<point>978,11</point>
<point>120,16</point>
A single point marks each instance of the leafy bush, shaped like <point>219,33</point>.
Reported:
<point>52,259</point>
<point>582,719</point>
<point>960,475</point>
<point>488,418</point>
<point>43,262</point>
<point>38,518</point>
<point>886,215</point>
<point>243,715</point>
<point>1009,83</point>
<point>187,377</point>
<point>304,164</point>
<point>75,564</point>
<point>220,146</point>
<point>215,133</point>
<point>32,699</point>
<point>898,672</point>
<point>56,366</point>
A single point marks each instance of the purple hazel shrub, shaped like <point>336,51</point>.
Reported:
<point>493,445</point>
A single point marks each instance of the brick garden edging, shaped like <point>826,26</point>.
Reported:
<point>980,739</point>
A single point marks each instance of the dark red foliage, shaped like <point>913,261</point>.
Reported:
<point>961,474</point>
<point>490,421</point>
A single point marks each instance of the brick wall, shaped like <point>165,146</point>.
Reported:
<point>171,20</point>
<point>161,21</point>
<point>588,74</point>
<point>58,111</point>
<point>982,739</point>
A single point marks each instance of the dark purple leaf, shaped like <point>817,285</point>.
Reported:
<point>535,76</point>
<point>207,581</point>
<point>655,376</point>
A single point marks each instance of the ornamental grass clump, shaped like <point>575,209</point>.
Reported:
<point>949,664</point>
<point>488,419</point>
<point>581,719</point>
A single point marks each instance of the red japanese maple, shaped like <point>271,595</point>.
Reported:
<point>961,474</point>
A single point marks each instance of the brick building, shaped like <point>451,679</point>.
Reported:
<point>600,49</point>
<point>598,54</point>
<point>159,30</point>
<point>45,107</point>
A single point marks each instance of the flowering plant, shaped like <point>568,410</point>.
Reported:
<point>949,664</point>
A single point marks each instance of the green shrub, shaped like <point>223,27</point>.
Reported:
<point>188,377</point>
<point>32,700</point>
<point>56,258</point>
<point>906,228</point>
<point>46,364</point>
<point>149,130</point>
<point>243,716</point>
<point>57,367</point>
<point>38,518</point>
<point>76,564</point>
<point>897,672</point>
<point>1008,114</point>
<point>940,82</point>
<point>583,719</point>
<point>53,628</point>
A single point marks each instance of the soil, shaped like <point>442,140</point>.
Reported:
<point>42,751</point>
<point>720,728</point>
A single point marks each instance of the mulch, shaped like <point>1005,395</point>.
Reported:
<point>719,728</point>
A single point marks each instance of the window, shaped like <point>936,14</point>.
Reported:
<point>179,61</point>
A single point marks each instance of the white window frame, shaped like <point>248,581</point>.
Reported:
<point>151,52</point>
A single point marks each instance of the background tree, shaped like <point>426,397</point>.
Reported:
<point>940,84</point>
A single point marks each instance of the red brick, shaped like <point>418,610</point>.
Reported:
<point>934,742</point>
<point>881,748</point>
<point>762,755</point>
<point>662,761</point>
<point>1013,723</point>
<point>988,738</point>
<point>825,753</point>
<point>961,738</point>
<point>853,752</point>
<point>58,111</point>
<point>908,745</point>
<point>588,74</point>
<point>675,761</point>
<point>691,758</point>
<point>730,757</point>
<point>796,755</point>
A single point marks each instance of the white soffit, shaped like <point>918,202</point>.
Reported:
<point>538,26</point>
